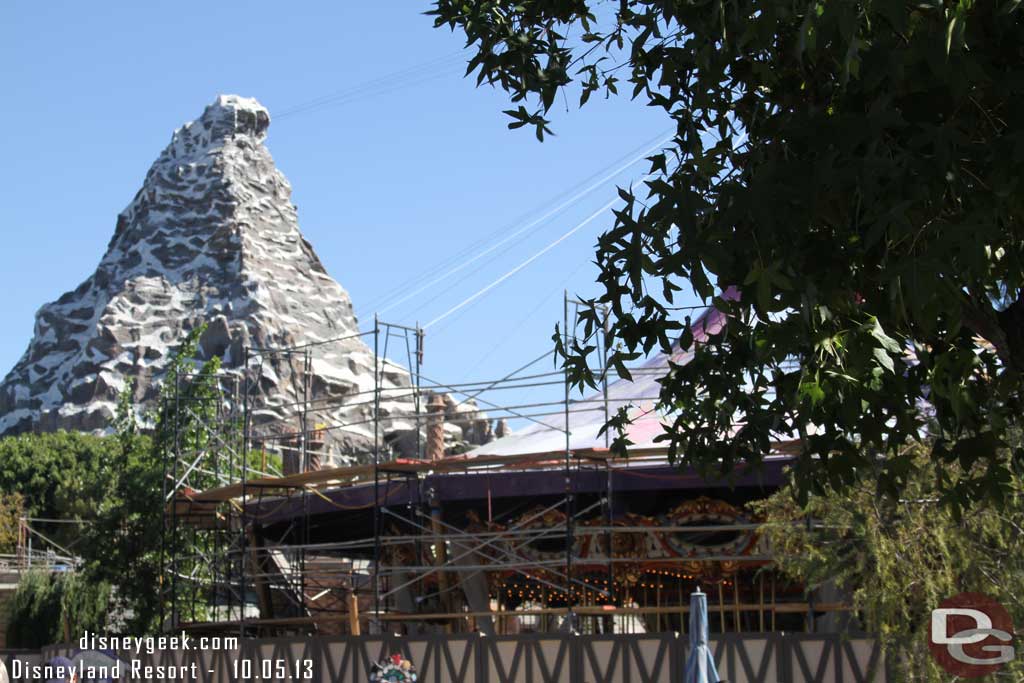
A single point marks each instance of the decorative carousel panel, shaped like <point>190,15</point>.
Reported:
<point>702,513</point>
<point>547,542</point>
<point>626,544</point>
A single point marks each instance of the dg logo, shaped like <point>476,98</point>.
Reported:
<point>971,635</point>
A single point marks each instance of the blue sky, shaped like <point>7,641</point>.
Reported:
<point>390,182</point>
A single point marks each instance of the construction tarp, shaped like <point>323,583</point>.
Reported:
<point>587,416</point>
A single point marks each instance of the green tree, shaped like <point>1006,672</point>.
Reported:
<point>59,475</point>
<point>83,478</point>
<point>129,534</point>
<point>899,558</point>
<point>11,510</point>
<point>122,545</point>
<point>33,614</point>
<point>852,169</point>
<point>115,486</point>
<point>85,604</point>
<point>187,418</point>
<point>48,608</point>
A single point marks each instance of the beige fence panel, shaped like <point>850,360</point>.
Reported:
<point>524,658</point>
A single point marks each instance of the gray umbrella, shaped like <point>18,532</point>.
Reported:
<point>700,665</point>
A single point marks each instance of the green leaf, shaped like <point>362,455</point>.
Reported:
<point>883,358</point>
<point>887,342</point>
<point>812,391</point>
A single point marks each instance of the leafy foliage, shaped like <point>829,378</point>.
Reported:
<point>187,420</point>
<point>853,169</point>
<point>85,603</point>
<point>62,475</point>
<point>899,558</point>
<point>105,483</point>
<point>33,614</point>
<point>45,607</point>
<point>12,507</point>
<point>122,545</point>
<point>115,484</point>
<point>132,515</point>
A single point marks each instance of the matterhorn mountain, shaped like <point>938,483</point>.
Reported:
<point>211,237</point>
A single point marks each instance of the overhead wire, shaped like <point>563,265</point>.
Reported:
<point>435,68</point>
<point>566,235</point>
<point>414,75</point>
<point>633,155</point>
<point>550,213</point>
<point>506,338</point>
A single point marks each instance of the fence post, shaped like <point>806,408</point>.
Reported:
<point>783,657</point>
<point>575,655</point>
<point>840,653</point>
<point>481,658</point>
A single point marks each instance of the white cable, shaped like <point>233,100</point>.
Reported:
<point>551,212</point>
<point>389,80</point>
<point>467,252</point>
<point>579,226</point>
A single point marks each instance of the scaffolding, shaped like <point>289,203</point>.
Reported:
<point>244,473</point>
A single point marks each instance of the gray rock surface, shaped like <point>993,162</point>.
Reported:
<point>211,237</point>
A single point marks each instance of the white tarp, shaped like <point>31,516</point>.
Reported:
<point>586,417</point>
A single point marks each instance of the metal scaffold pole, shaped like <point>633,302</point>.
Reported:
<point>215,565</point>
<point>568,473</point>
<point>304,458</point>
<point>609,510</point>
<point>416,390</point>
<point>604,371</point>
<point>247,416</point>
<point>376,468</point>
<point>163,536</point>
<point>174,504</point>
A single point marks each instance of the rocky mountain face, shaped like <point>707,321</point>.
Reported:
<point>212,237</point>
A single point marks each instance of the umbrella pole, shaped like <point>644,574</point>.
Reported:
<point>760,604</point>
<point>773,601</point>
<point>721,608</point>
<point>682,613</point>
<point>736,602</point>
<point>657,601</point>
